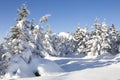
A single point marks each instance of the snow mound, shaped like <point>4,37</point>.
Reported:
<point>45,67</point>
<point>18,69</point>
<point>42,67</point>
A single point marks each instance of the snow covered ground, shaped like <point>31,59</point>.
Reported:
<point>84,68</point>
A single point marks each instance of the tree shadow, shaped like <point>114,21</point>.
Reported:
<point>80,64</point>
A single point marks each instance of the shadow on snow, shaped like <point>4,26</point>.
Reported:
<point>75,64</point>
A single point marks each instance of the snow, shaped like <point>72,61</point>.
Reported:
<point>65,35</point>
<point>44,18</point>
<point>83,69</point>
<point>103,73</point>
<point>18,68</point>
<point>45,67</point>
<point>28,52</point>
<point>6,55</point>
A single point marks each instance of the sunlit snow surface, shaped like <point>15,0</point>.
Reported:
<point>104,67</point>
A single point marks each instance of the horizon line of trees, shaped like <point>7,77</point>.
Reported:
<point>103,39</point>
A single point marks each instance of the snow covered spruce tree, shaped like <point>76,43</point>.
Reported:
<point>48,42</point>
<point>47,36</point>
<point>93,44</point>
<point>114,40</point>
<point>39,38</point>
<point>99,41</point>
<point>105,39</point>
<point>80,37</point>
<point>21,35</point>
<point>118,40</point>
<point>62,43</point>
<point>17,45</point>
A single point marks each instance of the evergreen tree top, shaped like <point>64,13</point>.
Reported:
<point>23,12</point>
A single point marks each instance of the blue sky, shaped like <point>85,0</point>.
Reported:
<point>66,14</point>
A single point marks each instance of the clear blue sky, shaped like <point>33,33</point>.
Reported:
<point>66,14</point>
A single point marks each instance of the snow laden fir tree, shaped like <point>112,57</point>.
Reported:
<point>27,41</point>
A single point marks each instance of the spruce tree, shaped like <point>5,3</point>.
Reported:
<point>93,44</point>
<point>17,43</point>
<point>114,41</point>
<point>80,38</point>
